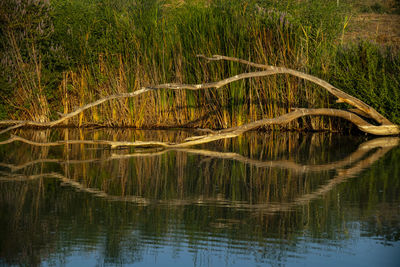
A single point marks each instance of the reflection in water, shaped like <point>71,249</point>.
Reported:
<point>257,198</point>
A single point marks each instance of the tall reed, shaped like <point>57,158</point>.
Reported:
<point>95,48</point>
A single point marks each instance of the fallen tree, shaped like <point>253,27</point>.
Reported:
<point>356,116</point>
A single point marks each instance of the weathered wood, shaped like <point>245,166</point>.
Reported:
<point>230,132</point>
<point>342,96</point>
<point>385,128</point>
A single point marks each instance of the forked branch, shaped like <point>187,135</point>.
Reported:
<point>385,127</point>
<point>226,133</point>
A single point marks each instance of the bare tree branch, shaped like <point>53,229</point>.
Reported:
<point>386,127</point>
<point>342,96</point>
<point>227,133</point>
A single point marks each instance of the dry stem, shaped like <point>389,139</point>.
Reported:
<point>385,128</point>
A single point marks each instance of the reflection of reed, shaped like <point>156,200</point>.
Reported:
<point>344,174</point>
<point>69,182</point>
<point>271,143</point>
<point>113,144</point>
<point>358,159</point>
<point>361,151</point>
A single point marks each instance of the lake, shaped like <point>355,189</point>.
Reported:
<point>264,198</point>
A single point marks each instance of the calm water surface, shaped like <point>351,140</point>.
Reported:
<point>283,199</point>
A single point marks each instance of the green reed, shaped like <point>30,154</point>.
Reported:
<point>95,48</point>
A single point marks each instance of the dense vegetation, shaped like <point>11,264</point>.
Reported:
<point>58,55</point>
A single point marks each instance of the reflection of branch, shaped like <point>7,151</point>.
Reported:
<point>70,182</point>
<point>384,145</point>
<point>342,176</point>
<point>14,167</point>
<point>284,164</point>
<point>386,127</point>
<point>90,142</point>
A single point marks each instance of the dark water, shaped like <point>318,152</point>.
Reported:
<point>284,199</point>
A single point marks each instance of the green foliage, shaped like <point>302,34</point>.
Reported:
<point>370,73</point>
<point>122,44</point>
<point>396,7</point>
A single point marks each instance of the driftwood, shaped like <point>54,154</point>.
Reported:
<point>385,127</point>
<point>356,161</point>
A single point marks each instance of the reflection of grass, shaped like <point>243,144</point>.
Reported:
<point>47,218</point>
<point>191,175</point>
<point>96,48</point>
